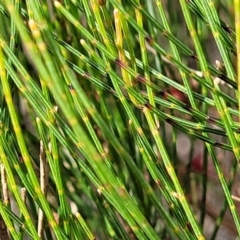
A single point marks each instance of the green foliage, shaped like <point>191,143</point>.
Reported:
<point>119,119</point>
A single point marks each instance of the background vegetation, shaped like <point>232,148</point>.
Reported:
<point>119,119</point>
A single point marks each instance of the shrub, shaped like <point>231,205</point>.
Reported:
<point>119,119</point>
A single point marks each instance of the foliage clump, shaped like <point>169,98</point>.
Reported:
<point>119,119</point>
